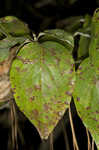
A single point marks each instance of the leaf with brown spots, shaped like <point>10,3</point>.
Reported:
<point>94,45</point>
<point>86,97</point>
<point>48,73</point>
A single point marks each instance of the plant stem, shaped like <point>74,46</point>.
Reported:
<point>89,144</point>
<point>14,126</point>
<point>73,131</point>
<point>92,144</point>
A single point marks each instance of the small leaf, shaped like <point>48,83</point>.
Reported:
<point>59,36</point>
<point>42,78</point>
<point>6,44</point>
<point>85,37</point>
<point>13,26</point>
<point>86,97</point>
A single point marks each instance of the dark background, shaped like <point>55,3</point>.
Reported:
<point>40,15</point>
<point>37,12</point>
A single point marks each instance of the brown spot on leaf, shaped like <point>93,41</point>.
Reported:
<point>81,73</point>
<point>59,101</point>
<point>92,65</point>
<point>32,98</point>
<point>35,112</point>
<point>71,70</point>
<point>97,126</point>
<point>18,97</point>
<point>81,78</point>
<point>88,107</point>
<point>52,51</point>
<point>62,73</point>
<point>97,112</point>
<point>37,87</point>
<point>57,60</point>
<point>95,119</point>
<point>18,69</point>
<point>80,67</point>
<point>46,107</point>
<point>68,93</point>
<point>46,117</point>
<point>78,99</point>
<point>13,89</point>
<point>52,78</point>
<point>67,103</point>
<point>26,61</point>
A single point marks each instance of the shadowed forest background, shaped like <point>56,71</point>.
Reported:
<point>41,15</point>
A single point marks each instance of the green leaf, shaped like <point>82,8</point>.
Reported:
<point>94,45</point>
<point>59,36</point>
<point>6,44</point>
<point>85,37</point>
<point>86,98</point>
<point>42,78</point>
<point>13,26</point>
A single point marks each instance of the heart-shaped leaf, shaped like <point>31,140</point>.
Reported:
<point>42,78</point>
<point>86,97</point>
